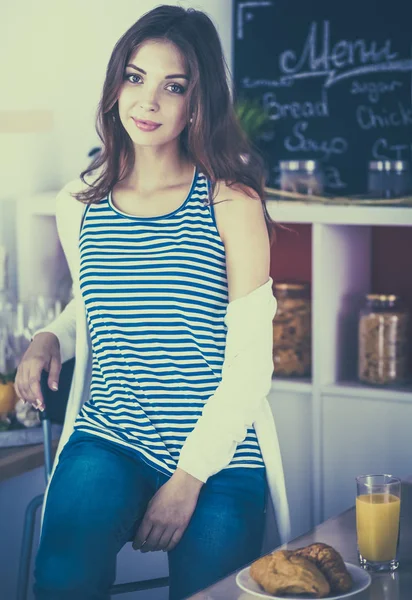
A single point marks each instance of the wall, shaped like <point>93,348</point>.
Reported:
<point>57,54</point>
<point>291,253</point>
<point>53,61</point>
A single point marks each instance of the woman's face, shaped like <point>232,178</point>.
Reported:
<point>152,99</point>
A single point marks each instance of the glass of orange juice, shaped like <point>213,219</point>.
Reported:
<point>378,504</point>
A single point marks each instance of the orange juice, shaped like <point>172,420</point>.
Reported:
<point>377,525</point>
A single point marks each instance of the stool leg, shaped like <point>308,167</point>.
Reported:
<point>27,546</point>
<point>47,441</point>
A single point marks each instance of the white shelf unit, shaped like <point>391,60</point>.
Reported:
<point>299,386</point>
<point>341,276</point>
<point>354,389</point>
<point>325,424</point>
<point>294,211</point>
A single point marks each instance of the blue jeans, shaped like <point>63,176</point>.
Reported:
<point>96,501</point>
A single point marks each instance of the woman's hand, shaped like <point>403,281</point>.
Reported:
<point>43,353</point>
<point>168,513</point>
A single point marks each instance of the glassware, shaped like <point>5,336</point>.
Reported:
<point>389,178</point>
<point>6,308</point>
<point>23,320</point>
<point>302,176</point>
<point>385,586</point>
<point>383,341</point>
<point>20,336</point>
<point>40,311</point>
<point>292,336</point>
<point>378,504</point>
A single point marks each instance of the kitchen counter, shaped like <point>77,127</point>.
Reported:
<point>340,532</point>
<point>17,460</point>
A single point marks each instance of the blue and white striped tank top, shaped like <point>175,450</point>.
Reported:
<point>155,291</point>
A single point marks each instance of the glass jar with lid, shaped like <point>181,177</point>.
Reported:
<point>389,178</point>
<point>292,337</point>
<point>383,340</point>
<point>302,176</point>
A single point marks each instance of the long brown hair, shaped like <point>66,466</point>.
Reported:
<point>213,141</point>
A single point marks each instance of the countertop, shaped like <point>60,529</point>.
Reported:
<point>17,460</point>
<point>340,532</point>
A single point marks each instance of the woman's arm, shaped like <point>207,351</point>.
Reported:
<point>248,365</point>
<point>64,328</point>
<point>68,218</point>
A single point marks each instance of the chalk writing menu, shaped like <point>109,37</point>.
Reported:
<point>336,79</point>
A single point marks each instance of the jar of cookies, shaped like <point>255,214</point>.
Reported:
<point>292,330</point>
<point>383,340</point>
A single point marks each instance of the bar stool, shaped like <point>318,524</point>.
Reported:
<point>55,409</point>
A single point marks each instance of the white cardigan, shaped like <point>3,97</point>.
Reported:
<point>240,398</point>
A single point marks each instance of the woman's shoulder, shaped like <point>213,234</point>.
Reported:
<point>69,210</point>
<point>236,204</point>
<point>77,186</point>
<point>235,191</point>
<point>66,200</point>
<point>74,186</point>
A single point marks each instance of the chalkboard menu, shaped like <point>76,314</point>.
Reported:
<point>336,79</point>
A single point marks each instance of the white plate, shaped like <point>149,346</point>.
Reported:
<point>361,580</point>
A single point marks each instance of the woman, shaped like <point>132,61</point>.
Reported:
<point>170,326</point>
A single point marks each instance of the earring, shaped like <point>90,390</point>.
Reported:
<point>191,120</point>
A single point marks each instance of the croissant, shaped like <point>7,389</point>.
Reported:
<point>330,563</point>
<point>283,572</point>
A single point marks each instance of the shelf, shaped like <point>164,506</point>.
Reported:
<point>351,389</point>
<point>300,386</point>
<point>286,212</point>
<point>306,212</point>
<point>358,390</point>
